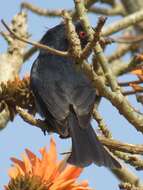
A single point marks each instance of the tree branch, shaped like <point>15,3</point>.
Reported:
<point>35,44</point>
<point>130,20</point>
<point>12,60</point>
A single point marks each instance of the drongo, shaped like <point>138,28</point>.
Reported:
<point>65,98</point>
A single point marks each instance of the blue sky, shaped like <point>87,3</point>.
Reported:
<point>19,135</point>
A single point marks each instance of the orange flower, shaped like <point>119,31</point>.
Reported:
<point>139,73</point>
<point>54,174</point>
<point>136,87</point>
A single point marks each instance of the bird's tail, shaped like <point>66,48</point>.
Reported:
<point>86,148</point>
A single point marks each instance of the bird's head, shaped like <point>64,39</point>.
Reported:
<point>81,33</point>
<point>56,37</point>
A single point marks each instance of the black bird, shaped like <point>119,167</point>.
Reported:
<point>65,97</point>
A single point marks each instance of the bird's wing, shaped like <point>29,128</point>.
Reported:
<point>49,93</point>
<point>54,99</point>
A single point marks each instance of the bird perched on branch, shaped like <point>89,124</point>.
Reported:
<point>65,97</point>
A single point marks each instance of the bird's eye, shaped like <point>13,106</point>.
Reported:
<point>82,34</point>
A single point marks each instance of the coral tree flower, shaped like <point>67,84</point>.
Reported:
<point>45,173</point>
<point>139,74</point>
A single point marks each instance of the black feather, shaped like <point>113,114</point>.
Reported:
<point>65,97</point>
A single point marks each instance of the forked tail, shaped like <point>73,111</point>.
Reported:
<point>86,148</point>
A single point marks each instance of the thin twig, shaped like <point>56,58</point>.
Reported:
<point>73,38</point>
<point>110,143</point>
<point>116,10</point>
<point>133,160</point>
<point>120,146</point>
<point>123,23</point>
<point>81,12</point>
<point>119,68</point>
<point>130,82</point>
<point>31,120</point>
<point>132,92</point>
<point>101,124</point>
<point>128,186</point>
<point>41,11</point>
<point>96,37</point>
<point>35,44</point>
<point>128,39</point>
<point>121,52</point>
